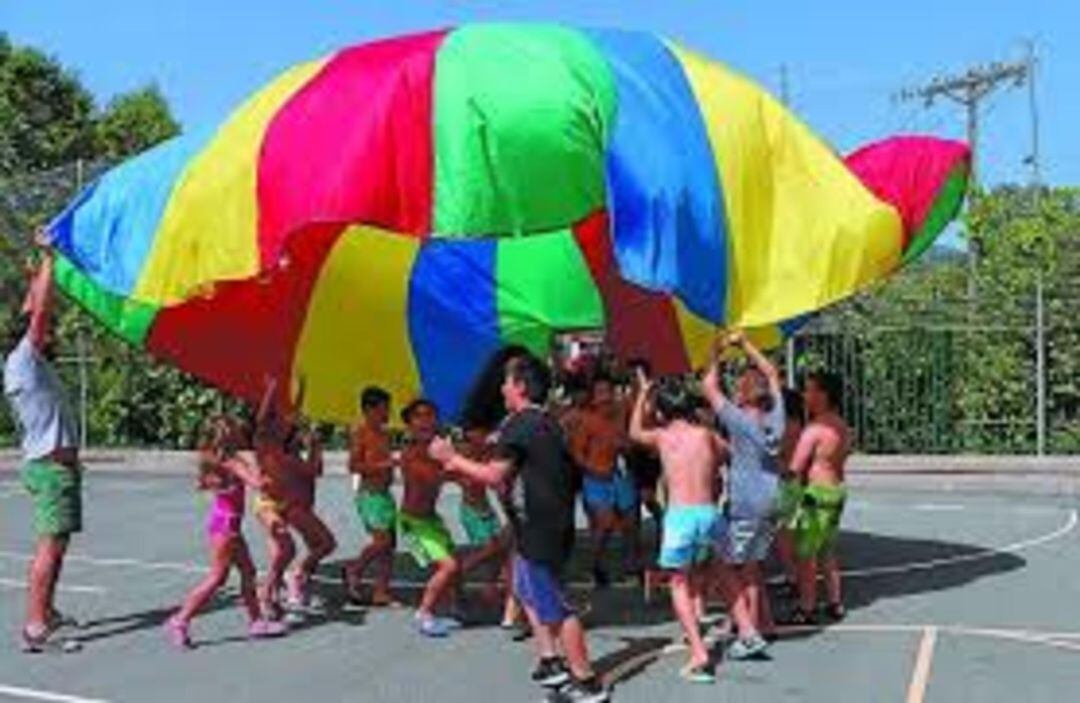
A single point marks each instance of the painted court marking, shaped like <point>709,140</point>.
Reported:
<point>31,694</point>
<point>920,677</point>
<point>66,587</point>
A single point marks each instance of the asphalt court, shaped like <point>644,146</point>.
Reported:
<point>953,597</point>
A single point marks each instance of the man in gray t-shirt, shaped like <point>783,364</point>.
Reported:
<point>754,422</point>
<point>51,471</point>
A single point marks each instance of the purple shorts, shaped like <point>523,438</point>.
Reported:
<point>540,590</point>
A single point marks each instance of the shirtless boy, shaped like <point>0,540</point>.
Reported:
<point>421,528</point>
<point>691,456</point>
<point>372,461</point>
<point>488,544</point>
<point>819,461</point>
<point>608,493</point>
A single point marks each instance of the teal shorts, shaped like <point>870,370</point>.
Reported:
<point>481,526</point>
<point>689,536</point>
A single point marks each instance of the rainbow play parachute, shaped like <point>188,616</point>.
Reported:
<point>395,212</point>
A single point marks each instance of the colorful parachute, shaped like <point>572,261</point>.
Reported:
<point>394,213</point>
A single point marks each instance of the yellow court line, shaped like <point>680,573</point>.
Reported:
<point>920,677</point>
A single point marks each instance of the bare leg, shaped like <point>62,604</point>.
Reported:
<point>603,522</point>
<point>785,550</point>
<point>221,559</point>
<point>381,542</point>
<point>808,585</point>
<point>760,609</point>
<point>833,580</point>
<point>545,640</point>
<point>683,599</point>
<point>44,572</point>
<point>733,588</point>
<point>317,538</point>
<point>282,550</point>
<point>571,634</point>
<point>439,585</point>
<point>248,578</point>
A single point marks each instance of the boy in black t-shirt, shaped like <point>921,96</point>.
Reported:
<point>534,463</point>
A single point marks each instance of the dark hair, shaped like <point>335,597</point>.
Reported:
<point>831,383</point>
<point>373,397</point>
<point>408,410</point>
<point>794,408</point>
<point>675,401</point>
<point>601,377</point>
<point>484,404</point>
<point>533,373</point>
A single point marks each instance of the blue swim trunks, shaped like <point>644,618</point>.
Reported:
<point>689,536</point>
<point>615,494</point>
<point>540,589</point>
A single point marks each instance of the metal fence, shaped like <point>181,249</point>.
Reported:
<point>966,382</point>
<point>933,375</point>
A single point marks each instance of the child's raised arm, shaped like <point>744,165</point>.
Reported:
<point>638,433</point>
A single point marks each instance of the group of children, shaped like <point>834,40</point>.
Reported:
<point>723,478</point>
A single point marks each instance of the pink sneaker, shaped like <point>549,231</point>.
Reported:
<point>265,629</point>
<point>177,634</point>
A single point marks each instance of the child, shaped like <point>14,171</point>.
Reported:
<point>270,506</point>
<point>222,471</point>
<point>478,519</point>
<point>304,466</point>
<point>819,462</point>
<point>608,492</point>
<point>691,456</point>
<point>790,491</point>
<point>755,425</point>
<point>642,462</point>
<point>421,528</point>
<point>372,461</point>
<point>534,462</point>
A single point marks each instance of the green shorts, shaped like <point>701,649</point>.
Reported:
<point>56,492</point>
<point>425,538</point>
<point>376,510</point>
<point>787,502</point>
<point>481,525</point>
<point>817,523</point>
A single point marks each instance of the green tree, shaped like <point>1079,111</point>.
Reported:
<point>46,115</point>
<point>134,122</point>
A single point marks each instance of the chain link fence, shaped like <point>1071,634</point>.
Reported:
<point>929,374</point>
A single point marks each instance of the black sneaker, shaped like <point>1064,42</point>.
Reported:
<point>590,691</point>
<point>551,673</point>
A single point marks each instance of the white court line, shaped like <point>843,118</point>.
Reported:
<point>938,507</point>
<point>67,587</point>
<point>920,677</point>
<point>977,555</point>
<point>31,694</point>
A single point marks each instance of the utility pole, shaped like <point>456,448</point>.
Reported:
<point>1040,290</point>
<point>969,89</point>
<point>789,344</point>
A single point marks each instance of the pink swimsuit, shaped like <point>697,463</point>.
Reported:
<point>227,511</point>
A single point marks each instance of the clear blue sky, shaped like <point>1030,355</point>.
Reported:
<point>846,59</point>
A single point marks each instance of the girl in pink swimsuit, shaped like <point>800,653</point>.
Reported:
<point>223,471</point>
